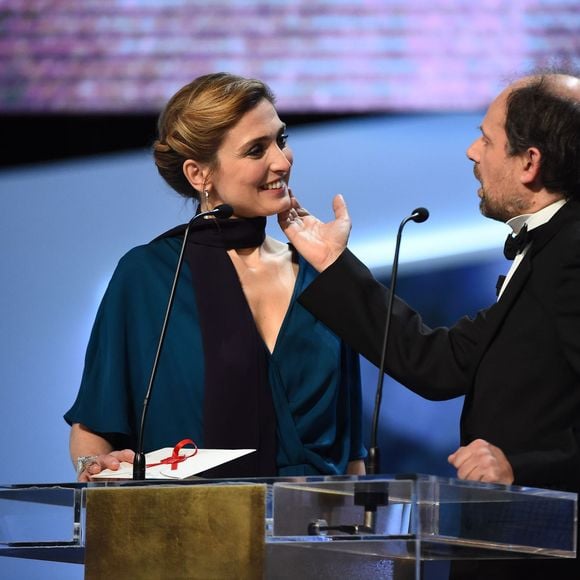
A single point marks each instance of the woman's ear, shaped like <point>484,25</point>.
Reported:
<point>196,173</point>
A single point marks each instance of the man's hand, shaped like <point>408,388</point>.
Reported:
<point>482,461</point>
<point>319,243</point>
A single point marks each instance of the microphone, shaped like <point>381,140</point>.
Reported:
<point>418,215</point>
<point>223,211</point>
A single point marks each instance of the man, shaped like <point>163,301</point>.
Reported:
<point>518,362</point>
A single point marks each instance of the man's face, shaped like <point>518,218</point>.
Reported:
<point>501,193</point>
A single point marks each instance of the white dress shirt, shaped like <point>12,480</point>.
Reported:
<point>532,220</point>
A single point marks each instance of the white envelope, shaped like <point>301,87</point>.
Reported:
<point>194,463</point>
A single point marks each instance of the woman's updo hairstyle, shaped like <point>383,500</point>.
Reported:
<point>196,119</point>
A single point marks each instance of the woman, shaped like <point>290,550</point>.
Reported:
<point>243,364</point>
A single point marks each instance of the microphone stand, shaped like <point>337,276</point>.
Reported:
<point>372,494</point>
<point>419,215</point>
<point>221,211</point>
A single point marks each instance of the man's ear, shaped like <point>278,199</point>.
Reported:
<point>196,173</point>
<point>531,163</point>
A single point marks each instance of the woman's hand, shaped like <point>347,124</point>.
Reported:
<point>319,243</point>
<point>94,464</point>
<point>356,467</point>
<point>96,453</point>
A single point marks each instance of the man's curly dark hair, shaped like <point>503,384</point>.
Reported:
<point>540,116</point>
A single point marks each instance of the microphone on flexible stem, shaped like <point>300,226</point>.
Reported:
<point>419,215</point>
<point>223,211</point>
<point>372,494</point>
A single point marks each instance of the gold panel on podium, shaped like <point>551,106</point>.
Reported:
<point>147,532</point>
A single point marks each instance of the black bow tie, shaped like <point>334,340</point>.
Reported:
<point>515,244</point>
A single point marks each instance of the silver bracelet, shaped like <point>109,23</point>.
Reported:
<point>84,462</point>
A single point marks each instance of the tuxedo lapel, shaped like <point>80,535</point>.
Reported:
<point>496,313</point>
<point>494,318</point>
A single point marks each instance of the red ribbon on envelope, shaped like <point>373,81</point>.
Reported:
<point>175,458</point>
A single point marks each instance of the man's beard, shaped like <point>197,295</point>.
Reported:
<point>491,210</point>
<point>499,210</point>
<point>497,207</point>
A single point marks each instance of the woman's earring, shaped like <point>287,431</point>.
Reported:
<point>206,193</point>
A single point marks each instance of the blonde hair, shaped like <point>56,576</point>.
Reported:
<point>196,120</point>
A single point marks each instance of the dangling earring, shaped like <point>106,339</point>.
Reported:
<point>206,193</point>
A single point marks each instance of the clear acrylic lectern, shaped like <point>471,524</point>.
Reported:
<point>308,527</point>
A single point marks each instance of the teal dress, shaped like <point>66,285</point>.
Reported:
<point>313,375</point>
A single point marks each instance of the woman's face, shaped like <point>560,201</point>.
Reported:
<point>253,165</point>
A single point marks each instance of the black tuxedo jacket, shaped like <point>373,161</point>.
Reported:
<point>517,362</point>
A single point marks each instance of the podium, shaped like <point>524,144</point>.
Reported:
<point>364,527</point>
